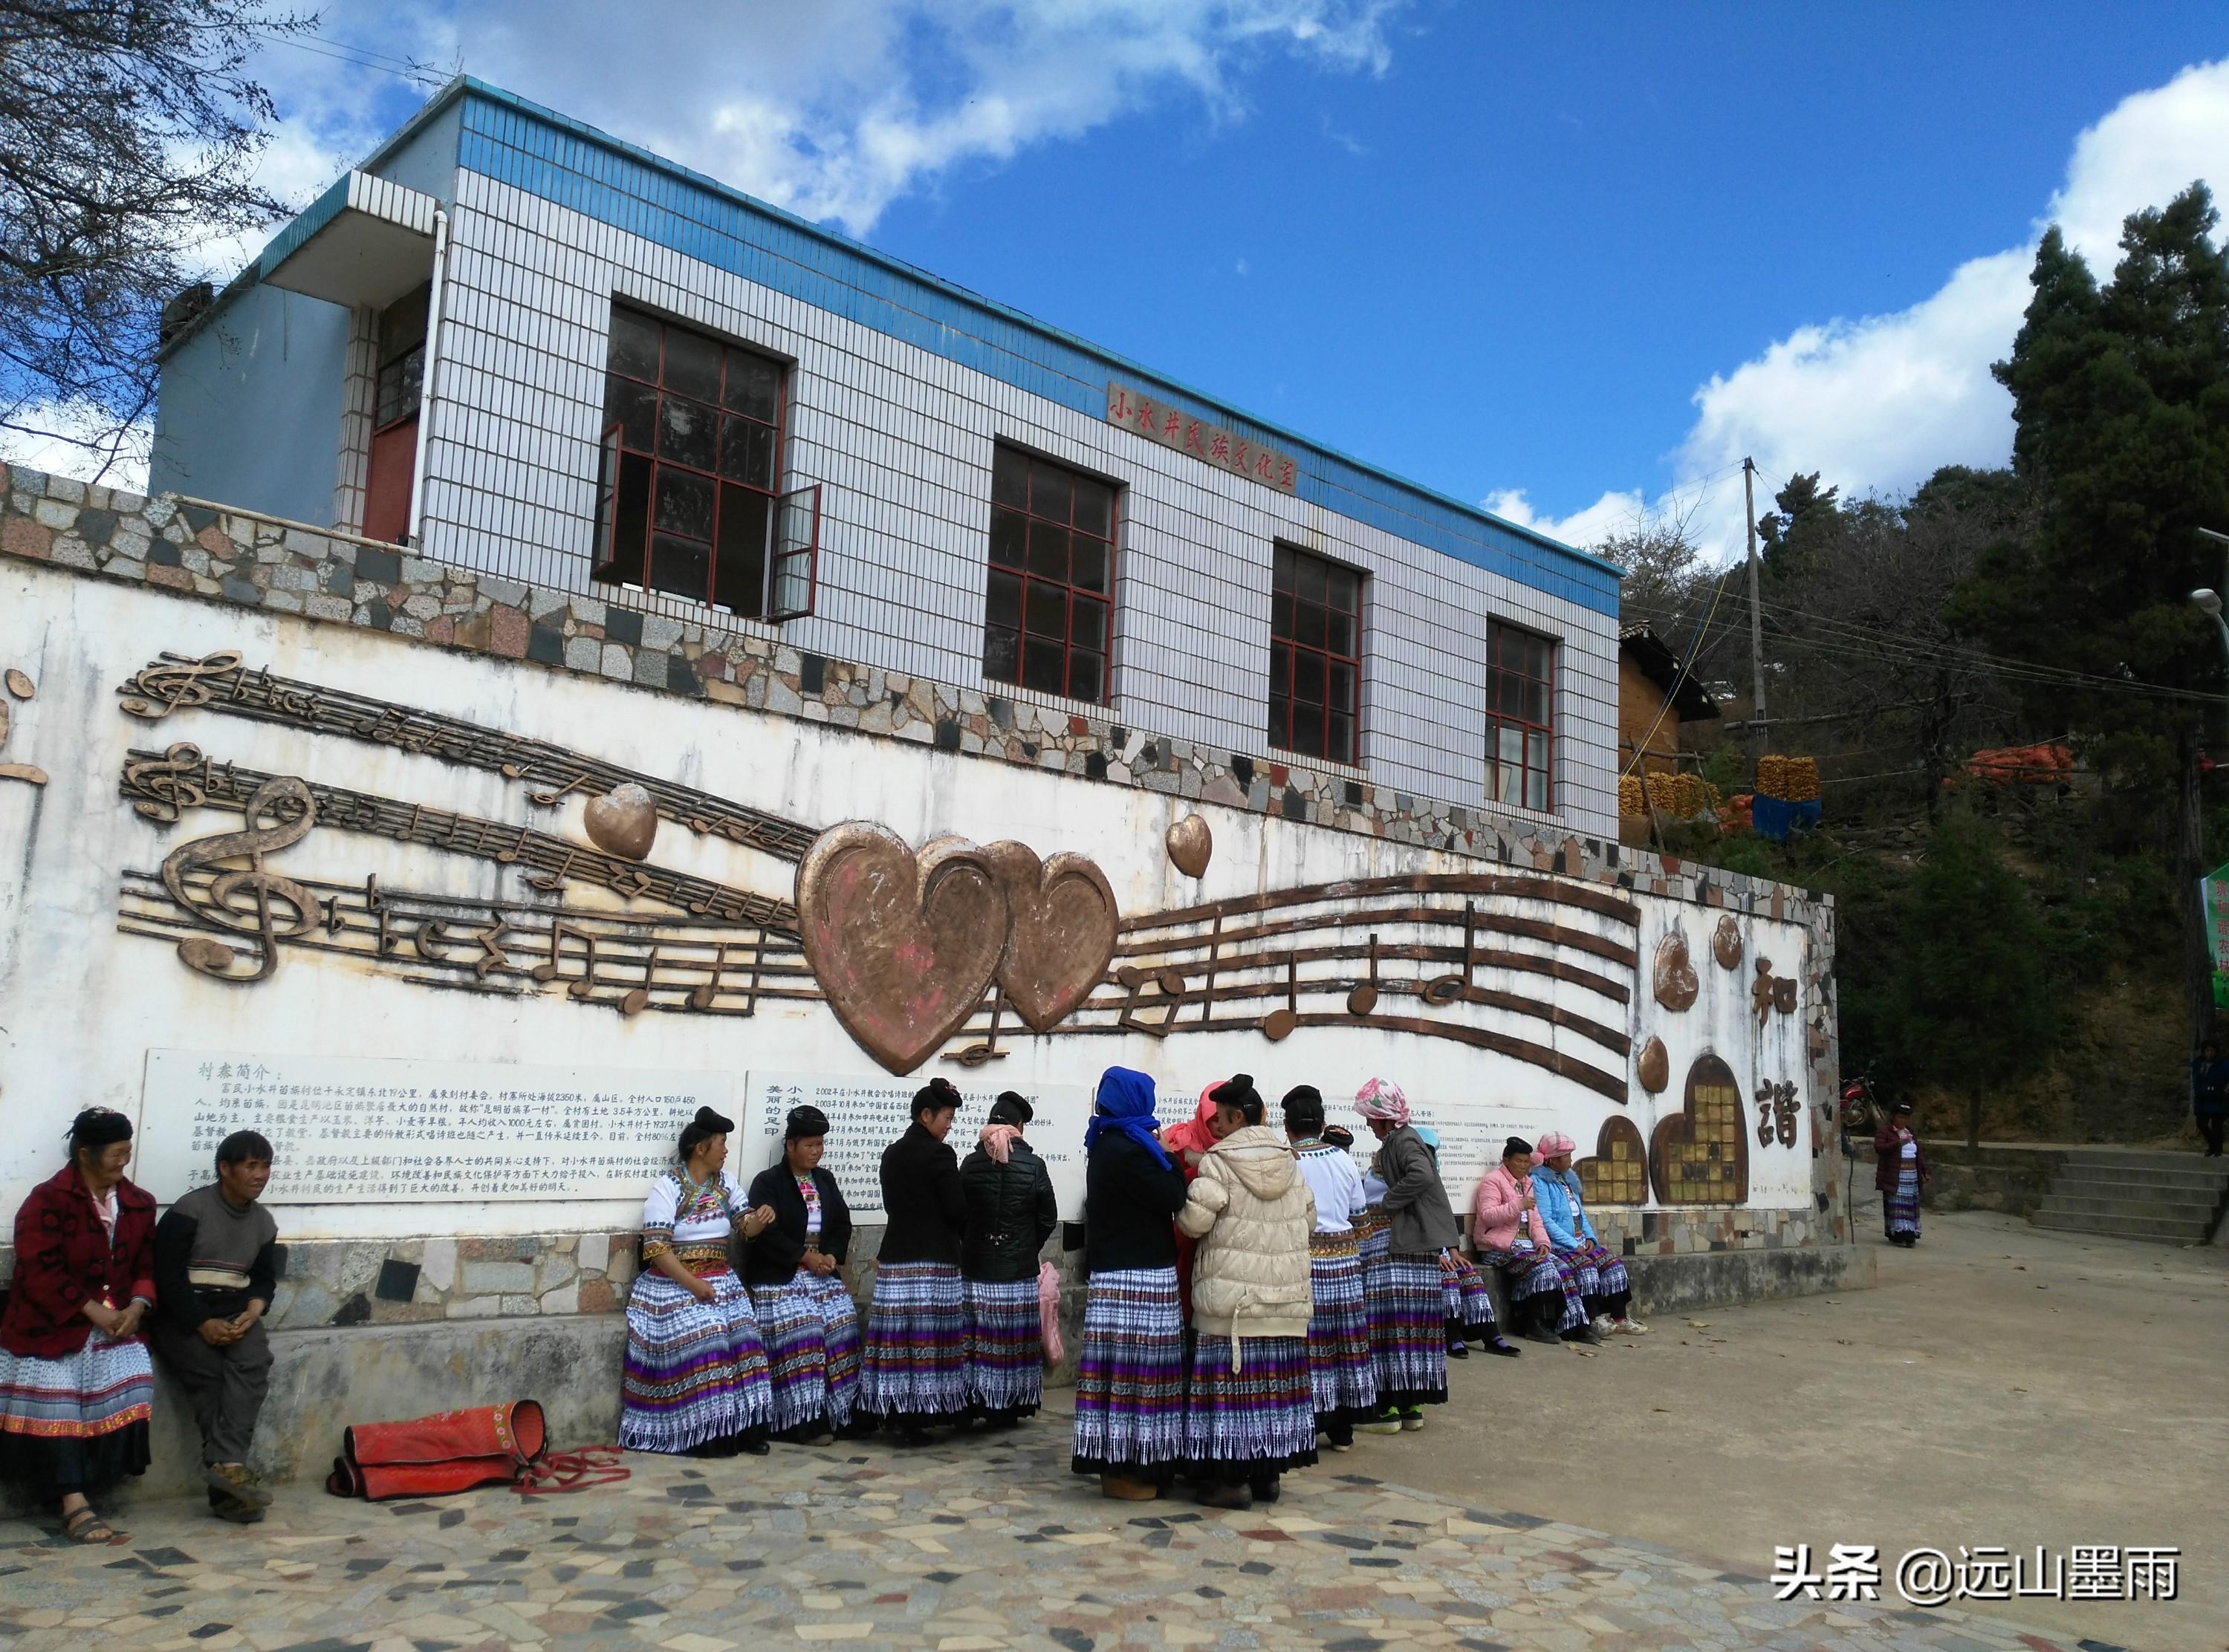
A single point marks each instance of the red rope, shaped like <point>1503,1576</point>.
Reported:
<point>592,1465</point>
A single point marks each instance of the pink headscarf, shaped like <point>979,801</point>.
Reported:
<point>1554,1142</point>
<point>998,1140</point>
<point>1196,1134</point>
<point>1382,1099</point>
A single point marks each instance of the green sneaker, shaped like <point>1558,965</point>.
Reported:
<point>1386,1421</point>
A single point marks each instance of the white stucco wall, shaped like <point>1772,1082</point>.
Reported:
<point>80,1004</point>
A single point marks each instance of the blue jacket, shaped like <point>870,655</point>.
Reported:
<point>1562,1211</point>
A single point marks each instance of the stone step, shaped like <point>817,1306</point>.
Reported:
<point>2149,1158</point>
<point>2123,1227</point>
<point>2208,1183</point>
<point>2072,1203</point>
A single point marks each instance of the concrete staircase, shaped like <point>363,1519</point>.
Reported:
<point>2173,1198</point>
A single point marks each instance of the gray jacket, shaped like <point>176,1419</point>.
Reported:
<point>1421,1220</point>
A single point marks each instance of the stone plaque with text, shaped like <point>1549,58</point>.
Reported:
<point>348,1129</point>
<point>866,1114</point>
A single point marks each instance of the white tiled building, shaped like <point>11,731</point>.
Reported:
<point>557,359</point>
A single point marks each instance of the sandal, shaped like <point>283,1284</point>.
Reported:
<point>85,1525</point>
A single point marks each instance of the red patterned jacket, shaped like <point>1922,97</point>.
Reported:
<point>64,1259</point>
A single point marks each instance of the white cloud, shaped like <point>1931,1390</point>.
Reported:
<point>837,108</point>
<point>1613,513</point>
<point>1878,403</point>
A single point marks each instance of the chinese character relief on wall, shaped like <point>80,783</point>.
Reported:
<point>1172,426</point>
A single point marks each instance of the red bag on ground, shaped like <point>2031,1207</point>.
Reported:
<point>435,1456</point>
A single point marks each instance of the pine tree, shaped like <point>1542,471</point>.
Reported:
<point>1973,1001</point>
<point>2121,403</point>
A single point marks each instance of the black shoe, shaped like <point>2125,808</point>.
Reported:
<point>1586,1334</point>
<point>1503,1346</point>
<point>1266,1491</point>
<point>1542,1334</point>
<point>1238,1497</point>
<point>1458,1350</point>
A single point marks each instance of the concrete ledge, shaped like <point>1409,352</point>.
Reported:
<point>323,1381</point>
<point>1670,1285</point>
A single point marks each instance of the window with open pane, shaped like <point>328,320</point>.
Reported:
<point>1521,711</point>
<point>1315,656</point>
<point>687,502</point>
<point>1048,618</point>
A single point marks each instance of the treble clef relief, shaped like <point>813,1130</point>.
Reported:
<point>287,801</point>
<point>176,782</point>
<point>173,680</point>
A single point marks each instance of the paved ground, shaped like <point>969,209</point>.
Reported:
<point>2002,1385</point>
<point>2021,1431</point>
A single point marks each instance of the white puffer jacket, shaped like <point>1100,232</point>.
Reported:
<point>1252,1213</point>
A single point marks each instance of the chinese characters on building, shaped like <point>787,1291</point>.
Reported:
<point>347,1131</point>
<point>1172,426</point>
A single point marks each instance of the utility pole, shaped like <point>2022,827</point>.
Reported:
<point>1756,625</point>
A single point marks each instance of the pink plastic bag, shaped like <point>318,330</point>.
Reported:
<point>1049,1311</point>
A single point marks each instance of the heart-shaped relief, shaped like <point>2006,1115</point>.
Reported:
<point>1653,1069</point>
<point>1060,923</point>
<point>1675,980</point>
<point>1618,1172</point>
<point>1726,943</point>
<point>902,943</point>
<point>1698,1155</point>
<point>1191,845</point>
<point>623,822</point>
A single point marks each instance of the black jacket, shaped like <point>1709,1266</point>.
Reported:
<point>921,1200</point>
<point>1011,1213</point>
<point>771,1258</point>
<point>1130,1203</point>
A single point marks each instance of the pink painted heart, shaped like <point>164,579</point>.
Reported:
<point>1060,934</point>
<point>902,943</point>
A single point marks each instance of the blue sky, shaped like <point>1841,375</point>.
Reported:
<point>1573,262</point>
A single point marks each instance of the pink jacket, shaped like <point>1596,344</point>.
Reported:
<point>1494,1216</point>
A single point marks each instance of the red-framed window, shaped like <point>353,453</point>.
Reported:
<point>1520,717</point>
<point>1048,620</point>
<point>688,497</point>
<point>1315,656</point>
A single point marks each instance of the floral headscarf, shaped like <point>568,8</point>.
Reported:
<point>1382,1099</point>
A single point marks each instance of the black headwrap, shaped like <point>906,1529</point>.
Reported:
<point>1340,1136</point>
<point>804,1124</point>
<point>937,1093</point>
<point>1012,1108</point>
<point>703,1128</point>
<point>1304,1108</point>
<point>1516,1144</point>
<point>99,1127</point>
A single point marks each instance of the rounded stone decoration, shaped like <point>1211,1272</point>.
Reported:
<point>624,821</point>
<point>1655,1067</point>
<point>1727,943</point>
<point>1676,982</point>
<point>1191,846</point>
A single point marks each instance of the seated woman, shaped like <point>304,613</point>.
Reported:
<point>1011,1213</point>
<point>1562,1208</point>
<point>805,1309</point>
<point>1130,1369</point>
<point>1506,1227</point>
<point>1469,1304</point>
<point>1250,1411</point>
<point>914,1372</point>
<point>75,1384</point>
<point>696,1373</point>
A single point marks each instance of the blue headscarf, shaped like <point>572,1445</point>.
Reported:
<point>1125,1104</point>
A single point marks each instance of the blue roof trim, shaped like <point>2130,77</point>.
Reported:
<point>563,160</point>
<point>321,212</point>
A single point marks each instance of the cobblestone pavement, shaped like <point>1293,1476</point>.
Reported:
<point>985,1543</point>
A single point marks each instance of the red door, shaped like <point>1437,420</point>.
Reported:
<point>387,482</point>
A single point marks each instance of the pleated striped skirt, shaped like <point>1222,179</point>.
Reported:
<point>1130,1376</point>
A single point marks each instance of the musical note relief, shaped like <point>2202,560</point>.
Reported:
<point>552,862</point>
<point>287,801</point>
<point>218,683</point>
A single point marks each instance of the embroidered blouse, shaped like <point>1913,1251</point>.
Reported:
<point>1337,1183</point>
<point>690,1219</point>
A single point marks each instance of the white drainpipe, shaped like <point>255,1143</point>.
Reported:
<point>426,380</point>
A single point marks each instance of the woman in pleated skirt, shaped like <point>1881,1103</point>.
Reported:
<point>795,1272</point>
<point>914,1372</point>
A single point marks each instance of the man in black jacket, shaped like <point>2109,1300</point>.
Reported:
<point>1011,1213</point>
<point>914,1372</point>
<point>216,1272</point>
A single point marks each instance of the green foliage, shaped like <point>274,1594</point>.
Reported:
<point>1971,991</point>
